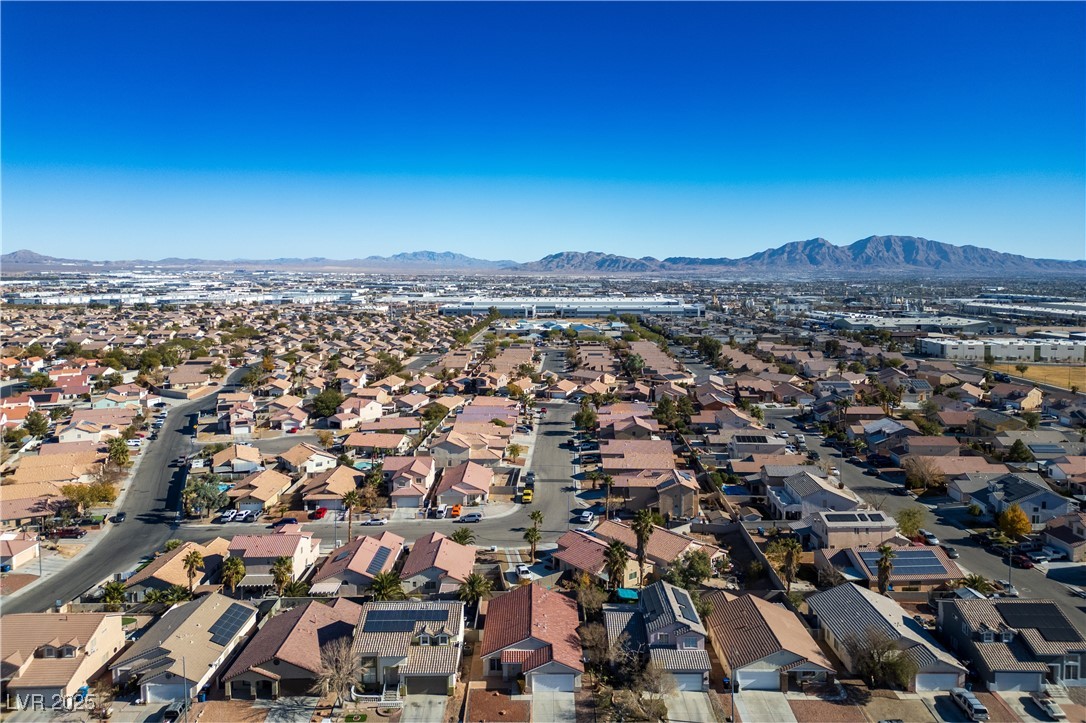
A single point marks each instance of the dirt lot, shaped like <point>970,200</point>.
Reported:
<point>238,711</point>
<point>1057,375</point>
<point>13,581</point>
<point>913,711</point>
<point>825,711</point>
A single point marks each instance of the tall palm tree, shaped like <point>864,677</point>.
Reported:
<point>193,561</point>
<point>536,517</point>
<point>608,480</point>
<point>615,559</point>
<point>282,574</point>
<point>475,588</point>
<point>387,586</point>
<point>351,499</point>
<point>532,537</point>
<point>113,595</point>
<point>643,524</point>
<point>463,536</point>
<point>233,572</point>
<point>786,553</point>
<point>885,567</point>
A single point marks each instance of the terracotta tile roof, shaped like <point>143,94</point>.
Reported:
<point>532,612</point>
<point>299,454</point>
<point>466,477</point>
<point>22,634</point>
<point>169,568</point>
<point>333,484</point>
<point>663,545</point>
<point>437,550</point>
<point>582,552</point>
<point>359,553</point>
<point>748,629</point>
<point>236,451</point>
<point>257,546</point>
<point>263,486</point>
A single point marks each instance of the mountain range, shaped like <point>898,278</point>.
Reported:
<point>871,256</point>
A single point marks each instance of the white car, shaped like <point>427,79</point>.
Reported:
<point>587,516</point>
<point>1051,708</point>
<point>1007,589</point>
<point>523,573</point>
<point>376,521</point>
<point>929,537</point>
<point>229,515</point>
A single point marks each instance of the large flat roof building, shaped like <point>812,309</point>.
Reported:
<point>529,307</point>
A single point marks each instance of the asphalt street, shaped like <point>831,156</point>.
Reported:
<point>946,521</point>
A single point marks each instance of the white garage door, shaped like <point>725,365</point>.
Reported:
<point>689,681</point>
<point>936,681</point>
<point>554,682</point>
<point>1018,681</point>
<point>759,680</point>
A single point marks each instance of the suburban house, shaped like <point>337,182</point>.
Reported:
<point>665,627</point>
<point>436,565</point>
<point>664,548</point>
<point>995,493</point>
<point>532,631</point>
<point>168,569</point>
<point>837,530</point>
<point>1068,535</point>
<point>259,553</point>
<point>260,491</point>
<point>915,568</point>
<point>326,489</point>
<point>17,549</point>
<point>411,645</point>
<point>351,568</point>
<point>179,654</point>
<point>673,493</point>
<point>847,614</point>
<point>409,479</point>
<point>457,447</point>
<point>581,552</point>
<point>805,493</point>
<point>377,443</point>
<point>307,459</point>
<point>49,657</point>
<point>284,657</point>
<point>237,460</point>
<point>764,646</point>
<point>467,483</point>
<point>1015,644</point>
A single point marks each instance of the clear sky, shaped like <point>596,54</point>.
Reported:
<point>259,130</point>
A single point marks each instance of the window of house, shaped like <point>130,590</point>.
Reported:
<point>1007,636</point>
<point>49,652</point>
<point>430,585</point>
<point>67,652</point>
<point>442,639</point>
<point>495,664</point>
<point>424,640</point>
<point>987,636</point>
<point>690,641</point>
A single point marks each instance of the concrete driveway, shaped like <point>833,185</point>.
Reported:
<point>689,706</point>
<point>763,706</point>
<point>424,708</point>
<point>554,707</point>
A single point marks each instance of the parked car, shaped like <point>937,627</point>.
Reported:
<point>529,479</point>
<point>1051,708</point>
<point>472,517</point>
<point>228,516</point>
<point>1021,561</point>
<point>898,491</point>
<point>455,511</point>
<point>1006,588</point>
<point>319,513</point>
<point>245,516</point>
<point>929,537</point>
<point>69,533</point>
<point>586,516</point>
<point>951,552</point>
<point>969,703</point>
<point>523,573</point>
<point>526,497</point>
<point>376,521</point>
<point>288,521</point>
<point>120,517</point>
<point>1039,558</point>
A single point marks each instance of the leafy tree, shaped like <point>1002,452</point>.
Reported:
<point>38,380</point>
<point>387,586</point>
<point>513,451</point>
<point>282,574</point>
<point>1013,522</point>
<point>689,571</point>
<point>879,660</point>
<point>633,365</point>
<point>643,524</point>
<point>1019,452</point>
<point>475,587</point>
<point>193,561</point>
<point>885,567</point>
<point>216,371</point>
<point>589,595</point>
<point>710,348</point>
<point>1032,419</point>
<point>113,595</point>
<point>118,451</point>
<point>325,438</point>
<point>233,572</point>
<point>615,559</point>
<point>327,403</point>
<point>586,418</point>
<point>666,413</point>
<point>463,536</point>
<point>36,424</point>
<point>532,537</point>
<point>785,554</point>
<point>911,519</point>
<point>172,545</point>
<point>85,496</point>
<point>1022,368</point>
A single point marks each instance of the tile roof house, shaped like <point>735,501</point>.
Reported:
<point>919,568</point>
<point>416,645</point>
<point>581,552</point>
<point>307,459</point>
<point>179,654</point>
<point>848,613</point>
<point>259,553</point>
<point>350,569</point>
<point>366,443</point>
<point>1015,644</point>
<point>326,489</point>
<point>237,459</point>
<point>995,494</point>
<point>55,654</point>
<point>764,646</point>
<point>1068,534</point>
<point>259,491</point>
<point>667,628</point>
<point>168,569</point>
<point>464,484</point>
<point>436,565</point>
<point>532,631</point>
<point>409,479</point>
<point>284,657</point>
<point>664,547</point>
<point>805,493</point>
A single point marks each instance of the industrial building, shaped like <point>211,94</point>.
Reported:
<point>1011,350</point>
<point>531,307</point>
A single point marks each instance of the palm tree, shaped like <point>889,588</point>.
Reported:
<point>173,594</point>
<point>463,536</point>
<point>233,572</point>
<point>113,595</point>
<point>474,588</point>
<point>193,561</point>
<point>978,583</point>
<point>387,586</point>
<point>643,524</point>
<point>282,574</point>
<point>786,553</point>
<point>537,518</point>
<point>608,480</point>
<point>351,499</point>
<point>532,537</point>
<point>885,567</point>
<point>615,559</point>
<point>296,588</point>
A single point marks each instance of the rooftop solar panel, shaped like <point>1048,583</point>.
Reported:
<point>1044,617</point>
<point>908,563</point>
<point>841,517</point>
<point>686,607</point>
<point>378,561</point>
<point>228,624</point>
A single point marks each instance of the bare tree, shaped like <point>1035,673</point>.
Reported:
<point>340,669</point>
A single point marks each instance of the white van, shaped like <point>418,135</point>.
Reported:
<point>969,703</point>
<point>441,511</point>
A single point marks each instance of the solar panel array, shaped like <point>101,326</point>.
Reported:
<point>686,608</point>
<point>400,621</point>
<point>750,439</point>
<point>378,560</point>
<point>908,563</point>
<point>854,517</point>
<point>1044,617</point>
<point>229,623</point>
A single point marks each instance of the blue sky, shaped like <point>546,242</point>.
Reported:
<point>516,130</point>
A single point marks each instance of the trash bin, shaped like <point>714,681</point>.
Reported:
<point>202,697</point>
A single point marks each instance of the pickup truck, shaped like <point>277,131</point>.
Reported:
<point>1076,591</point>
<point>1049,705</point>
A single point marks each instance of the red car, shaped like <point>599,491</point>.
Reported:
<point>319,513</point>
<point>1022,561</point>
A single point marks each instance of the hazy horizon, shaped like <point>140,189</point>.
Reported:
<point>513,131</point>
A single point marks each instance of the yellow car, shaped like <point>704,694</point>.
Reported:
<point>526,496</point>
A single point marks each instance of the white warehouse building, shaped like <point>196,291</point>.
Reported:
<point>1013,350</point>
<point>530,307</point>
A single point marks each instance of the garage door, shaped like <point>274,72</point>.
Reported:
<point>936,681</point>
<point>1018,681</point>
<point>432,684</point>
<point>689,681</point>
<point>553,682</point>
<point>759,680</point>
